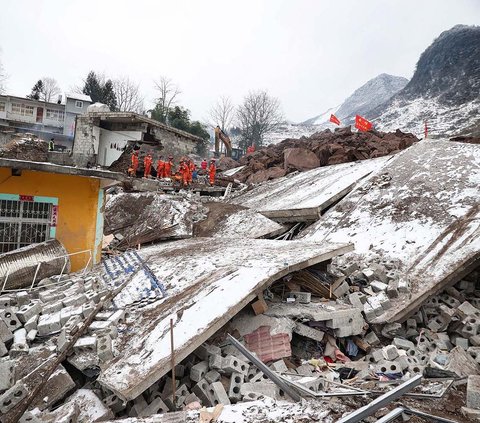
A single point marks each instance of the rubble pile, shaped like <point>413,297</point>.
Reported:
<point>139,218</point>
<point>321,149</point>
<point>26,148</point>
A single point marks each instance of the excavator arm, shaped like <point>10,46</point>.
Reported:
<point>219,135</point>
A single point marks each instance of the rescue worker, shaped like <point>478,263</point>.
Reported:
<point>168,167</point>
<point>133,169</point>
<point>211,172</point>
<point>191,169</point>
<point>147,162</point>
<point>183,169</point>
<point>217,131</point>
<point>160,168</point>
<point>204,166</point>
<point>51,144</point>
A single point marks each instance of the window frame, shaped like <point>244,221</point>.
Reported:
<point>79,104</point>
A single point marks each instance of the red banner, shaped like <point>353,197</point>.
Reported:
<point>334,120</point>
<point>362,124</point>
<point>26,198</point>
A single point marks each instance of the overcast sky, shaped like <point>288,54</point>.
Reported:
<point>311,54</point>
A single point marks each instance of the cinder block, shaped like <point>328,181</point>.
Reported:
<point>31,323</point>
<point>31,335</point>
<point>236,381</point>
<point>22,298</point>
<point>139,404</point>
<point>357,299</point>
<point>232,364</point>
<point>75,300</point>
<point>219,394</point>
<point>3,349</point>
<point>369,312</point>
<point>375,305</point>
<point>157,406</point>
<point>475,340</point>
<point>474,352</point>
<point>308,332</point>
<point>403,344</point>
<point>261,388</point>
<point>438,324</point>
<point>279,366</point>
<point>313,384</point>
<point>190,398</point>
<point>6,335</point>
<point>460,341</point>
<point>304,369</point>
<point>403,285</point>
<point>7,374</point>
<point>85,344</point>
<point>118,317</point>
<point>28,311</point>
<point>19,346</point>
<point>342,289</point>
<point>5,301</point>
<point>390,352</point>
<point>473,391</point>
<point>52,307</point>
<point>392,289</point>
<point>211,376</point>
<point>198,371</point>
<point>13,396</point>
<point>449,300</point>
<point>30,417</point>
<point>104,348</point>
<point>388,367</point>
<point>372,339</point>
<point>201,390</point>
<point>49,324</point>
<point>215,362</point>
<point>377,356</point>
<point>10,319</point>
<point>384,300</point>
<point>378,286</point>
<point>204,351</point>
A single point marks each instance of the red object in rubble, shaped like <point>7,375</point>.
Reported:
<point>268,347</point>
<point>334,120</point>
<point>362,124</point>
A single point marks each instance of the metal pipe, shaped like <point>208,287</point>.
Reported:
<point>381,401</point>
<point>172,359</point>
<point>35,275</point>
<point>427,416</point>
<point>271,375</point>
<point>395,413</point>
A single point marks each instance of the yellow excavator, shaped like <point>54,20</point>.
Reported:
<point>220,135</point>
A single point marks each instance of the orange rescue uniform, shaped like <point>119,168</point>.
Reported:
<point>161,169</point>
<point>147,162</point>
<point>134,164</point>
<point>168,169</point>
<point>211,173</point>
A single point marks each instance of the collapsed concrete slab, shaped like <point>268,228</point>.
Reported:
<point>234,221</point>
<point>419,217</point>
<point>145,217</point>
<point>303,196</point>
<point>207,282</point>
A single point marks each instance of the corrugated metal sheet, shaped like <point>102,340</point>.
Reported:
<point>21,264</point>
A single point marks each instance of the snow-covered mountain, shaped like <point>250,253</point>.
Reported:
<point>366,98</point>
<point>444,90</point>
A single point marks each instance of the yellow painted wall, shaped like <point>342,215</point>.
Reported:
<point>77,206</point>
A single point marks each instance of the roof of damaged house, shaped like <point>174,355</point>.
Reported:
<point>205,282</point>
<point>130,117</point>
<point>61,169</point>
<point>420,214</point>
<point>302,196</point>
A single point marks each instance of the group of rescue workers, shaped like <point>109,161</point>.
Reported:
<point>186,173</point>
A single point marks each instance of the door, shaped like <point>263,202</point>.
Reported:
<point>39,114</point>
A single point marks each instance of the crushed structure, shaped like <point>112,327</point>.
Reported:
<point>365,302</point>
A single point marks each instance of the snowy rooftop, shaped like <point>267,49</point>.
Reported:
<point>421,211</point>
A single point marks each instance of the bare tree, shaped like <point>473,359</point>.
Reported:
<point>222,113</point>
<point>51,90</point>
<point>258,115</point>
<point>168,95</point>
<point>128,95</point>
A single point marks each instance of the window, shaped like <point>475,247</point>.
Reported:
<point>79,104</point>
<point>2,106</point>
<point>23,223</point>
<point>22,109</point>
<point>53,114</point>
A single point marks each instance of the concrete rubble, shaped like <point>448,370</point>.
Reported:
<point>339,323</point>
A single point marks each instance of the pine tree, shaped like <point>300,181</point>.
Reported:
<point>93,88</point>
<point>37,90</point>
<point>109,97</point>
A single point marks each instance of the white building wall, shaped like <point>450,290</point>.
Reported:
<point>112,143</point>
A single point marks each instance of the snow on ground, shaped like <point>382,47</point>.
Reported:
<point>442,120</point>
<point>204,280</point>
<point>421,211</point>
<point>312,189</point>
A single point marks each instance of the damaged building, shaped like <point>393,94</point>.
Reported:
<point>343,293</point>
<point>102,137</point>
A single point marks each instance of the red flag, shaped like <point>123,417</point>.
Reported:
<point>334,120</point>
<point>362,124</point>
